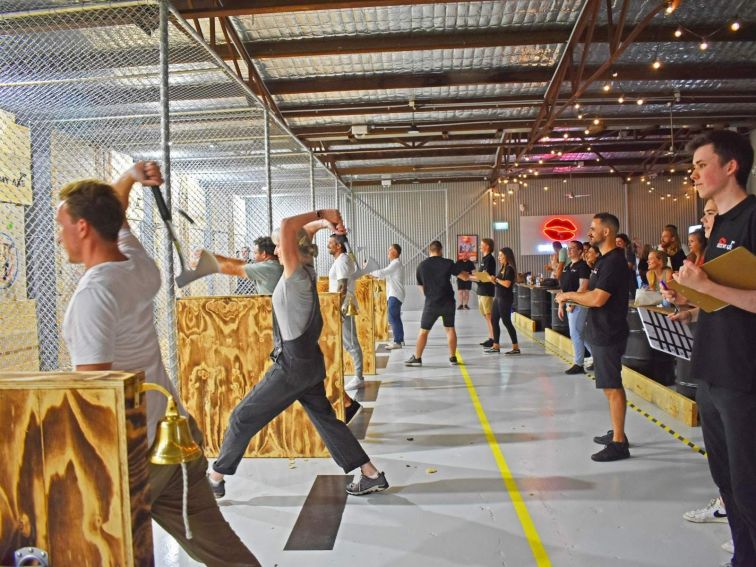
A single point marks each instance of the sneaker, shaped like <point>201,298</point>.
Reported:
<point>366,485</point>
<point>352,410</point>
<point>728,546</point>
<point>492,350</point>
<point>513,351</point>
<point>467,307</point>
<point>394,346</point>
<point>218,488</point>
<point>588,361</point>
<point>608,438</point>
<point>714,511</point>
<point>460,308</point>
<point>355,383</point>
<point>414,361</point>
<point>453,360</point>
<point>575,369</point>
<point>612,452</point>
<point>589,367</point>
<point>488,343</point>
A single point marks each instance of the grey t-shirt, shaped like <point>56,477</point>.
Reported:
<point>293,302</point>
<point>266,274</point>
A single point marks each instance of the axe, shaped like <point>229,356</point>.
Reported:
<point>207,263</point>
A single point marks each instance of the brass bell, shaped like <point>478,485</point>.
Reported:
<point>173,443</point>
<point>351,309</point>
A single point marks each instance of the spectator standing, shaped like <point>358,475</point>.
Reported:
<point>464,286</point>
<point>575,278</point>
<point>607,333</point>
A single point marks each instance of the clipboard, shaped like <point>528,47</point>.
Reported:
<point>736,268</point>
<point>483,277</point>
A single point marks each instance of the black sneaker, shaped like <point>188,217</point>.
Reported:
<point>460,308</point>
<point>608,438</point>
<point>575,369</point>
<point>513,351</point>
<point>453,360</point>
<point>467,307</point>
<point>589,367</point>
<point>219,488</point>
<point>366,485</point>
<point>414,361</point>
<point>487,343</point>
<point>491,350</point>
<point>351,411</point>
<point>612,452</point>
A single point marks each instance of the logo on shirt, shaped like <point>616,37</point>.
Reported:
<point>725,244</point>
<point>559,229</point>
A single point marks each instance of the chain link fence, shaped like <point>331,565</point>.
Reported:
<point>80,98</point>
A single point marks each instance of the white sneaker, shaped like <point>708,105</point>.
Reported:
<point>394,346</point>
<point>587,361</point>
<point>729,547</point>
<point>713,512</point>
<point>355,383</point>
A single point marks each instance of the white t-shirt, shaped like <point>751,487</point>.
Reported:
<point>394,274</point>
<point>110,319</point>
<point>343,269</point>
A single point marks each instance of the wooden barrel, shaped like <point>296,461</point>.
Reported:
<point>639,355</point>
<point>684,381</point>
<point>540,309</point>
<point>523,299</point>
<point>560,326</point>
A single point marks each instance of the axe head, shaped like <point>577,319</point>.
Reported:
<point>206,266</point>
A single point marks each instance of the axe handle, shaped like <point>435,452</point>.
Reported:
<point>165,212</point>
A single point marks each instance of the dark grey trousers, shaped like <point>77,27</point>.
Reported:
<point>277,391</point>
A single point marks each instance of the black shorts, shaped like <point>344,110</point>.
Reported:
<point>433,312</point>
<point>462,284</point>
<point>607,361</point>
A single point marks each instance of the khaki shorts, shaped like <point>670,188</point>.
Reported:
<point>485,305</point>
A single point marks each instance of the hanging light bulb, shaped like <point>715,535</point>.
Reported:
<point>607,87</point>
<point>615,75</point>
<point>577,105</point>
<point>735,25</point>
<point>596,121</point>
<point>545,188</point>
<point>586,131</point>
<point>559,153</point>
<point>621,99</point>
<point>678,32</point>
<point>580,116</point>
<point>639,102</point>
<point>565,135</point>
<point>704,45</point>
<point>656,64</point>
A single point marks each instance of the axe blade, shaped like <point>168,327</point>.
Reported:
<point>207,265</point>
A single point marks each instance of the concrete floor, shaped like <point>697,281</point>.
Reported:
<point>448,504</point>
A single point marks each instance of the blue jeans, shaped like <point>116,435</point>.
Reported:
<point>395,319</point>
<point>576,320</point>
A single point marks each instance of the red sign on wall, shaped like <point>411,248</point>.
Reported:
<point>559,229</point>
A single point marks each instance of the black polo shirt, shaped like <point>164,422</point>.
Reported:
<point>676,260</point>
<point>506,294</point>
<point>434,274</point>
<point>572,274</point>
<point>725,339</point>
<point>607,325</point>
<point>487,264</point>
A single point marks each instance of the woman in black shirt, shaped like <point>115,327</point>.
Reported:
<point>503,298</point>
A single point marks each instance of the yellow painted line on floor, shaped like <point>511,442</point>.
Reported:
<point>531,534</point>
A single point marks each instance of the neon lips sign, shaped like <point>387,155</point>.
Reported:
<point>559,229</point>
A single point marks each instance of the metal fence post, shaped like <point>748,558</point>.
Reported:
<point>165,141</point>
<point>41,276</point>
<point>268,173</point>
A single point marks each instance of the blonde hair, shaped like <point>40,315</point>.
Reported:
<point>306,247</point>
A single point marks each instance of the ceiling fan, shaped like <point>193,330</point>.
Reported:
<point>571,195</point>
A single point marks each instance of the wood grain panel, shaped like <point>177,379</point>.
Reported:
<point>381,311</point>
<point>19,347</point>
<point>224,345</point>
<point>15,161</point>
<point>365,319</point>
<point>23,507</point>
<point>78,484</point>
<point>323,284</point>
<point>82,477</point>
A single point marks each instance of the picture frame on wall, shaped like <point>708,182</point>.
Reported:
<point>467,247</point>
